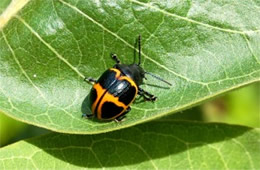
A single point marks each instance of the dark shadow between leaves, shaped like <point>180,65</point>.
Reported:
<point>153,140</point>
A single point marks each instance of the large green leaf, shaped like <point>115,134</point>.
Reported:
<point>155,145</point>
<point>204,48</point>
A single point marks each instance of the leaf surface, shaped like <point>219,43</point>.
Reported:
<point>3,5</point>
<point>46,49</point>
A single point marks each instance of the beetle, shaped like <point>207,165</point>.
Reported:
<point>113,93</point>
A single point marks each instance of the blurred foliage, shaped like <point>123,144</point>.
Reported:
<point>238,107</point>
<point>9,129</point>
<point>12,130</point>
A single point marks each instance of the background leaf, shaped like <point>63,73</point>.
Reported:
<point>46,49</point>
<point>9,129</point>
<point>160,144</point>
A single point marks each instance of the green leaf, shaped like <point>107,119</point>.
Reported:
<point>4,4</point>
<point>156,145</point>
<point>203,48</point>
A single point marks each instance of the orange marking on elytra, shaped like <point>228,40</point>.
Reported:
<point>118,72</point>
<point>110,98</point>
<point>100,92</point>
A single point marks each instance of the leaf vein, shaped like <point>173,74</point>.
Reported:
<point>220,155</point>
<point>246,152</point>
<point>49,46</point>
<point>191,20</point>
<point>21,68</point>
<point>250,49</point>
<point>78,46</point>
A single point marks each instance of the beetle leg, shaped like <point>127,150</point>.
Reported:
<point>90,79</point>
<point>122,116</point>
<point>146,95</point>
<point>86,116</point>
<point>114,57</point>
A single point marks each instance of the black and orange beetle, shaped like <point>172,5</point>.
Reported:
<point>112,94</point>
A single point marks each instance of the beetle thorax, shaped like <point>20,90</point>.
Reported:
<point>134,71</point>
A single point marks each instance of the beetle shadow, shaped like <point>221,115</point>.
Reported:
<point>158,86</point>
<point>136,145</point>
<point>85,106</point>
<point>139,99</point>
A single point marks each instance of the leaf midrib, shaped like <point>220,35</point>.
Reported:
<point>13,8</point>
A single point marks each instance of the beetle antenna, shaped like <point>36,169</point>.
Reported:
<point>159,78</point>
<point>136,42</point>
<point>139,49</point>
